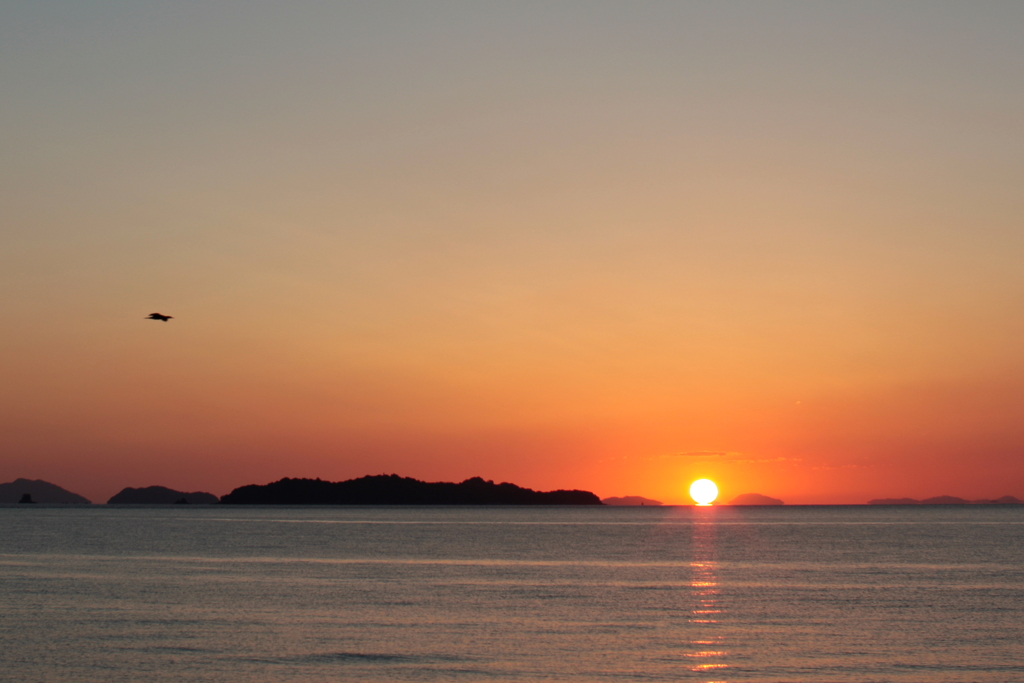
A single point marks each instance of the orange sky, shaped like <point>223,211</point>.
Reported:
<point>598,245</point>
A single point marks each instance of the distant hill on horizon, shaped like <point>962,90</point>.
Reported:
<point>754,499</point>
<point>630,500</point>
<point>946,500</point>
<point>40,491</point>
<point>161,495</point>
<point>392,489</point>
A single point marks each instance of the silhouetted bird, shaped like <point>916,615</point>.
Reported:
<point>157,316</point>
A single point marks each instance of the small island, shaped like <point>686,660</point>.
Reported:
<point>755,499</point>
<point>161,495</point>
<point>946,500</point>
<point>634,501</point>
<point>38,491</point>
<point>395,490</point>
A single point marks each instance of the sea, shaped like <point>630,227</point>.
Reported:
<point>233,594</point>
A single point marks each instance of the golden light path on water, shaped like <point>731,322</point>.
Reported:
<point>708,652</point>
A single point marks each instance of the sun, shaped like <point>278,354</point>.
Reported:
<point>703,491</point>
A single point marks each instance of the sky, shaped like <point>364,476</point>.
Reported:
<point>613,246</point>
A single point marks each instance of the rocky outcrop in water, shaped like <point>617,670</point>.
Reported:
<point>394,490</point>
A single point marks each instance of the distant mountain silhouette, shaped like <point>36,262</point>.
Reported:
<point>38,491</point>
<point>894,501</point>
<point>395,490</point>
<point>755,499</point>
<point>946,500</point>
<point>160,495</point>
<point>629,500</point>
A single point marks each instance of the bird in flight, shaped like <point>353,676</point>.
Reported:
<point>158,316</point>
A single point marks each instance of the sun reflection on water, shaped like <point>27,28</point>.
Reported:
<point>708,652</point>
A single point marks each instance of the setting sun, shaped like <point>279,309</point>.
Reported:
<point>703,491</point>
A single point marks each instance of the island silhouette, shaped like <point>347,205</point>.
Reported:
<point>946,500</point>
<point>161,495</point>
<point>755,499</point>
<point>392,489</point>
<point>630,501</point>
<point>38,491</point>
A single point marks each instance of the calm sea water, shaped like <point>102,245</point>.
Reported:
<point>512,594</point>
